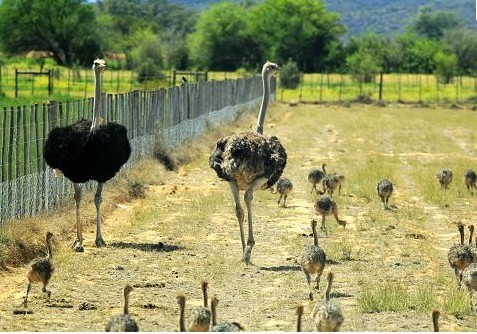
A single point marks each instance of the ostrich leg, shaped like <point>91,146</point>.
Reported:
<point>97,202</point>
<point>78,246</point>
<point>248,197</point>
<point>335,214</point>
<point>238,211</point>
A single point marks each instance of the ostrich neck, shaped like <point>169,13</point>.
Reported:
<point>213,310</point>
<point>328,289</point>
<point>263,107</point>
<point>315,237</point>
<point>126,303</point>
<point>182,327</point>
<point>97,101</point>
<point>48,245</point>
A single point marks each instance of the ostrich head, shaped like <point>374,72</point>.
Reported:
<point>99,65</point>
<point>270,69</point>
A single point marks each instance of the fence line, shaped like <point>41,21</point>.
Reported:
<point>170,115</point>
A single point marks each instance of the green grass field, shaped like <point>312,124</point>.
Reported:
<point>72,84</point>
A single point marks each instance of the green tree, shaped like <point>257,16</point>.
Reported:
<point>446,65</point>
<point>463,43</point>
<point>64,27</point>
<point>417,53</point>
<point>433,24</point>
<point>301,30</point>
<point>221,40</point>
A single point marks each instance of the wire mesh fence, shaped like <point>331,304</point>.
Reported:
<point>28,186</point>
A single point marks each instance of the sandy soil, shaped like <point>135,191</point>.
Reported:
<point>163,245</point>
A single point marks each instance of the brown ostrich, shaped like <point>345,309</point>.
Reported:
<point>313,261</point>
<point>40,270</point>
<point>315,176</point>
<point>325,206</point>
<point>249,161</point>
<point>385,190</point>
<point>459,255</point>
<point>200,319</point>
<point>123,322</point>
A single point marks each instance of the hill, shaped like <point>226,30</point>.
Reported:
<point>380,16</point>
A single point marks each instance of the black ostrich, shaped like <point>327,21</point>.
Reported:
<point>88,150</point>
<point>250,161</point>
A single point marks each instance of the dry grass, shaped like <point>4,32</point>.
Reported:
<point>390,266</point>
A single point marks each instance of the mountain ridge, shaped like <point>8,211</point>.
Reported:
<point>386,17</point>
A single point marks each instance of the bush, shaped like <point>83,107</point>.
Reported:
<point>148,71</point>
<point>290,76</point>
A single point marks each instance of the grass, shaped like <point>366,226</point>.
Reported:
<point>394,297</point>
<point>388,264</point>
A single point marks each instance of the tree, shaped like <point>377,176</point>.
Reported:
<point>433,24</point>
<point>64,27</point>
<point>417,53</point>
<point>221,40</point>
<point>300,30</point>
<point>463,43</point>
<point>446,65</point>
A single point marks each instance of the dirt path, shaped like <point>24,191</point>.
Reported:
<point>185,231</point>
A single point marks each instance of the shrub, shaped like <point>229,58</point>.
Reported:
<point>290,76</point>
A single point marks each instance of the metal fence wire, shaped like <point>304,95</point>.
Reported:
<point>28,186</point>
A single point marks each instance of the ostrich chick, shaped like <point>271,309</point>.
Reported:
<point>327,313</point>
<point>385,190</point>
<point>470,178</point>
<point>284,188</point>
<point>313,261</point>
<point>223,326</point>
<point>200,319</point>
<point>331,182</point>
<point>325,206</point>
<point>40,270</point>
<point>459,255</point>
<point>123,322</point>
<point>315,176</point>
<point>469,278</point>
<point>444,176</point>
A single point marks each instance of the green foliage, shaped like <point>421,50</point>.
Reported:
<point>64,27</point>
<point>463,43</point>
<point>301,30</point>
<point>394,297</point>
<point>290,76</point>
<point>221,40</point>
<point>147,58</point>
<point>363,67</point>
<point>417,53</point>
<point>432,24</point>
<point>446,65</point>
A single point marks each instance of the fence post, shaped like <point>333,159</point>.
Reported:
<point>380,86</point>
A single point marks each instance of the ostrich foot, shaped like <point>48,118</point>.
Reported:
<point>342,223</point>
<point>247,254</point>
<point>100,242</point>
<point>78,247</point>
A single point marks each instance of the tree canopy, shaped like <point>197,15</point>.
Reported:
<point>64,27</point>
